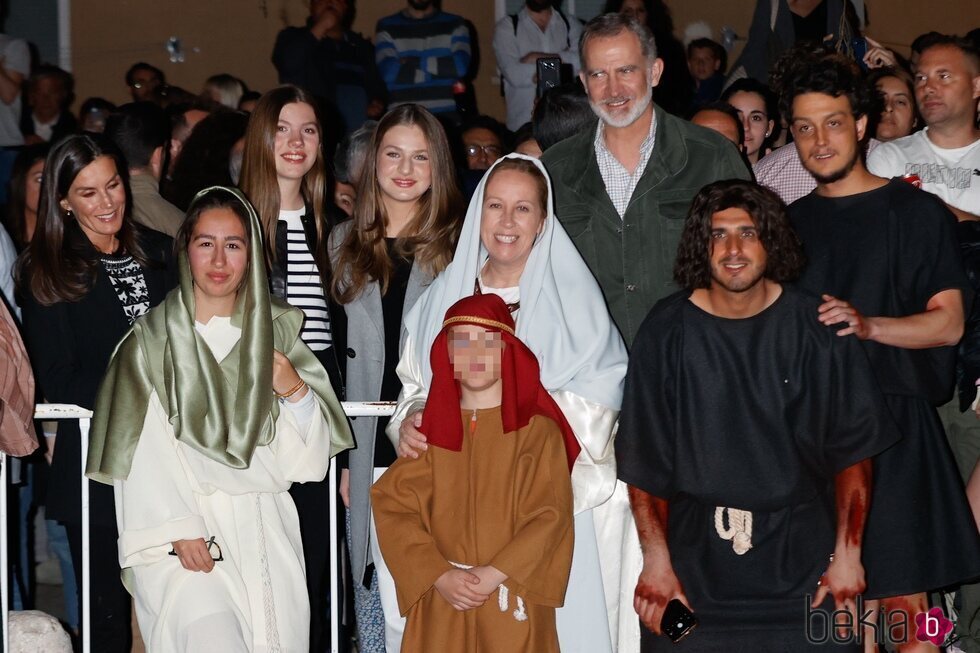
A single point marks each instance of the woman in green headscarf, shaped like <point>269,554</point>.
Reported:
<point>212,407</point>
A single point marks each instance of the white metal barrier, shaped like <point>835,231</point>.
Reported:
<point>62,411</point>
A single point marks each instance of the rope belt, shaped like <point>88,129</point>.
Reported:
<point>739,529</point>
<point>503,595</point>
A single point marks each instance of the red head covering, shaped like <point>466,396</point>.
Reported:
<point>523,394</point>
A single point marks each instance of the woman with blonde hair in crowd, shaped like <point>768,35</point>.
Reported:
<point>284,175</point>
<point>402,234</point>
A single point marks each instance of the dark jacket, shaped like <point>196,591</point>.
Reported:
<point>968,359</point>
<point>333,362</point>
<point>342,72</point>
<point>633,257</point>
<point>66,125</point>
<point>70,344</point>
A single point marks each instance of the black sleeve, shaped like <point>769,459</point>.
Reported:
<point>50,339</point>
<point>646,438</point>
<point>931,257</point>
<point>294,47</point>
<point>855,422</point>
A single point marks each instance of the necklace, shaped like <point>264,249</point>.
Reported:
<point>512,307</point>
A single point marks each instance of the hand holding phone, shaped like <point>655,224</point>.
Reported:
<point>549,73</point>
<point>678,622</point>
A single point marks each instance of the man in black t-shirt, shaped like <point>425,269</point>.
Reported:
<point>884,257</point>
<point>741,416</point>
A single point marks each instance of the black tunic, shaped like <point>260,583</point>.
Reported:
<point>888,251</point>
<point>757,414</point>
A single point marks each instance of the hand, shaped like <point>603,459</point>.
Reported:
<point>375,109</point>
<point>655,588</point>
<point>325,20</point>
<point>490,579</point>
<point>844,579</point>
<point>345,486</point>
<point>194,555</point>
<point>878,56</point>
<point>532,57</point>
<point>284,376</point>
<point>456,586</point>
<point>837,311</point>
<point>410,439</point>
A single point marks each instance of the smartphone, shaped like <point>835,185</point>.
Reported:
<point>549,74</point>
<point>860,47</point>
<point>677,622</point>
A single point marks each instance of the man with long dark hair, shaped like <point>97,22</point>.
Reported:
<point>741,410</point>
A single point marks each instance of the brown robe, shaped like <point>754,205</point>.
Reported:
<point>17,436</point>
<point>504,500</point>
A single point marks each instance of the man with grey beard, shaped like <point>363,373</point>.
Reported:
<point>622,191</point>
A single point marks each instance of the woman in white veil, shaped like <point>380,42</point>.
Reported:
<point>562,317</point>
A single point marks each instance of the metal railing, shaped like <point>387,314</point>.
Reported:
<point>62,411</point>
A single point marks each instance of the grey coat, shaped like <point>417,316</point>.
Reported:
<point>365,369</point>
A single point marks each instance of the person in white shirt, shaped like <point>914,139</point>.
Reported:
<point>946,154</point>
<point>538,30</point>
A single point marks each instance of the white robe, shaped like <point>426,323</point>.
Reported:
<point>256,598</point>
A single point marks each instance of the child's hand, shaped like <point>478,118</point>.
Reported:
<point>457,587</point>
<point>490,578</point>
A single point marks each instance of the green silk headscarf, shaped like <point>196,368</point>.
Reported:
<point>223,410</point>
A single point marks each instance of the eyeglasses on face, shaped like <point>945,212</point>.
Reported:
<point>493,151</point>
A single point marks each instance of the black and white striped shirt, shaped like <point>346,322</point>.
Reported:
<point>303,287</point>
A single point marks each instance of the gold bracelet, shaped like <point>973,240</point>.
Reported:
<point>291,391</point>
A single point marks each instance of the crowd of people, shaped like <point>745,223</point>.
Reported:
<point>678,349</point>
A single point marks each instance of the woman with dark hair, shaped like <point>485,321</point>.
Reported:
<point>899,115</point>
<point>401,235</point>
<point>205,155</point>
<point>284,174</point>
<point>675,92</point>
<point>211,408</point>
<point>758,109</point>
<point>25,193</point>
<point>88,274</point>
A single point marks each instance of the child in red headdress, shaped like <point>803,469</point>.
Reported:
<point>477,531</point>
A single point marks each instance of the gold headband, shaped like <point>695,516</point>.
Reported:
<point>478,320</point>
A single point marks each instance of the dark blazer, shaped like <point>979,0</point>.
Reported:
<point>70,344</point>
<point>332,358</point>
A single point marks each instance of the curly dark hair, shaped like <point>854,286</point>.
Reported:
<point>692,269</point>
<point>830,74</point>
